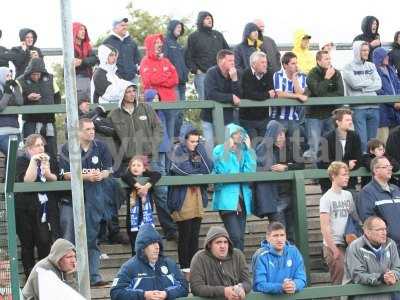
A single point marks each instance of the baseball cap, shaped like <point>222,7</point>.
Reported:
<point>119,20</point>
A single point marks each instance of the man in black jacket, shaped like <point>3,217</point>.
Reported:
<point>269,46</point>
<point>39,88</point>
<point>128,52</point>
<point>342,144</point>
<point>322,81</point>
<point>5,55</point>
<point>202,48</point>
<point>21,55</point>
<point>256,84</point>
<point>221,84</point>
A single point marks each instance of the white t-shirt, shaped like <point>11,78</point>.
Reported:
<point>338,205</point>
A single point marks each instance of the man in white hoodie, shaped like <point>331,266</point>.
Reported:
<point>362,79</point>
<point>106,84</point>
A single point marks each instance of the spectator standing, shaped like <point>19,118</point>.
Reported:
<point>174,51</point>
<point>256,84</point>
<point>343,144</point>
<point>269,47</point>
<point>39,88</point>
<point>139,204</point>
<point>301,45</point>
<point>187,203</point>
<point>221,84</point>
<point>389,113</point>
<point>158,73</point>
<point>234,201</point>
<point>36,213</point>
<point>21,55</point>
<point>5,54</point>
<point>202,49</point>
<point>10,95</point>
<point>127,49</point>
<point>250,43</point>
<point>379,197</point>
<point>362,79</point>
<point>394,54</point>
<point>334,209</point>
<point>370,35</point>
<point>84,61</point>
<point>322,81</point>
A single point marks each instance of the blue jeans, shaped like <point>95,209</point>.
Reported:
<point>366,123</point>
<point>4,142</point>
<point>170,119</point>
<point>315,129</point>
<point>235,224</point>
<point>160,198</point>
<point>180,92</point>
<point>199,85</point>
<point>208,135</point>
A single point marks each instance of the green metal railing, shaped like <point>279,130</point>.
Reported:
<point>298,177</point>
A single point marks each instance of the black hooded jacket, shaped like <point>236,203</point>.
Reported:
<point>394,54</point>
<point>44,86</point>
<point>21,57</point>
<point>245,49</point>
<point>203,46</point>
<point>175,52</point>
<point>367,35</point>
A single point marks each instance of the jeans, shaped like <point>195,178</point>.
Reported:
<point>208,135</point>
<point>170,119</point>
<point>255,129</point>
<point>199,85</point>
<point>83,87</point>
<point>315,129</point>
<point>235,224</point>
<point>181,92</point>
<point>67,221</point>
<point>160,199</point>
<point>188,243</point>
<point>4,142</point>
<point>366,123</point>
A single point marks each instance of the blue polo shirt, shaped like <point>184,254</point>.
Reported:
<point>97,157</point>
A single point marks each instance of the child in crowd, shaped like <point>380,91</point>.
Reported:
<point>139,203</point>
<point>376,148</point>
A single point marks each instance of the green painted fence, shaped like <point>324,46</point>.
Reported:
<point>298,177</point>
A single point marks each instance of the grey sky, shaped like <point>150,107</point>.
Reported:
<point>333,20</point>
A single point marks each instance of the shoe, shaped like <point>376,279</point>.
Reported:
<point>172,237</point>
<point>99,283</point>
<point>120,238</point>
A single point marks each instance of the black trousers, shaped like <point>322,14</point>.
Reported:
<point>32,232</point>
<point>188,243</point>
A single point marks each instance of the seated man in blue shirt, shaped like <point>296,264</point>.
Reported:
<point>278,266</point>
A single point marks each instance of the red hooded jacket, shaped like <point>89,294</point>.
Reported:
<point>85,49</point>
<point>158,72</point>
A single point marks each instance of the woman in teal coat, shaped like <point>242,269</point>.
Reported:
<point>234,200</point>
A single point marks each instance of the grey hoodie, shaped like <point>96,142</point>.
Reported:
<point>60,248</point>
<point>361,77</point>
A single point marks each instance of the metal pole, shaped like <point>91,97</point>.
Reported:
<point>74,150</point>
<point>10,207</point>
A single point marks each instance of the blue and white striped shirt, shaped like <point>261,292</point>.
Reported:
<point>283,84</point>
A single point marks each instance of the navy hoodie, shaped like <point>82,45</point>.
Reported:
<point>183,163</point>
<point>137,275</point>
<point>244,49</point>
<point>175,52</point>
<point>367,35</point>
